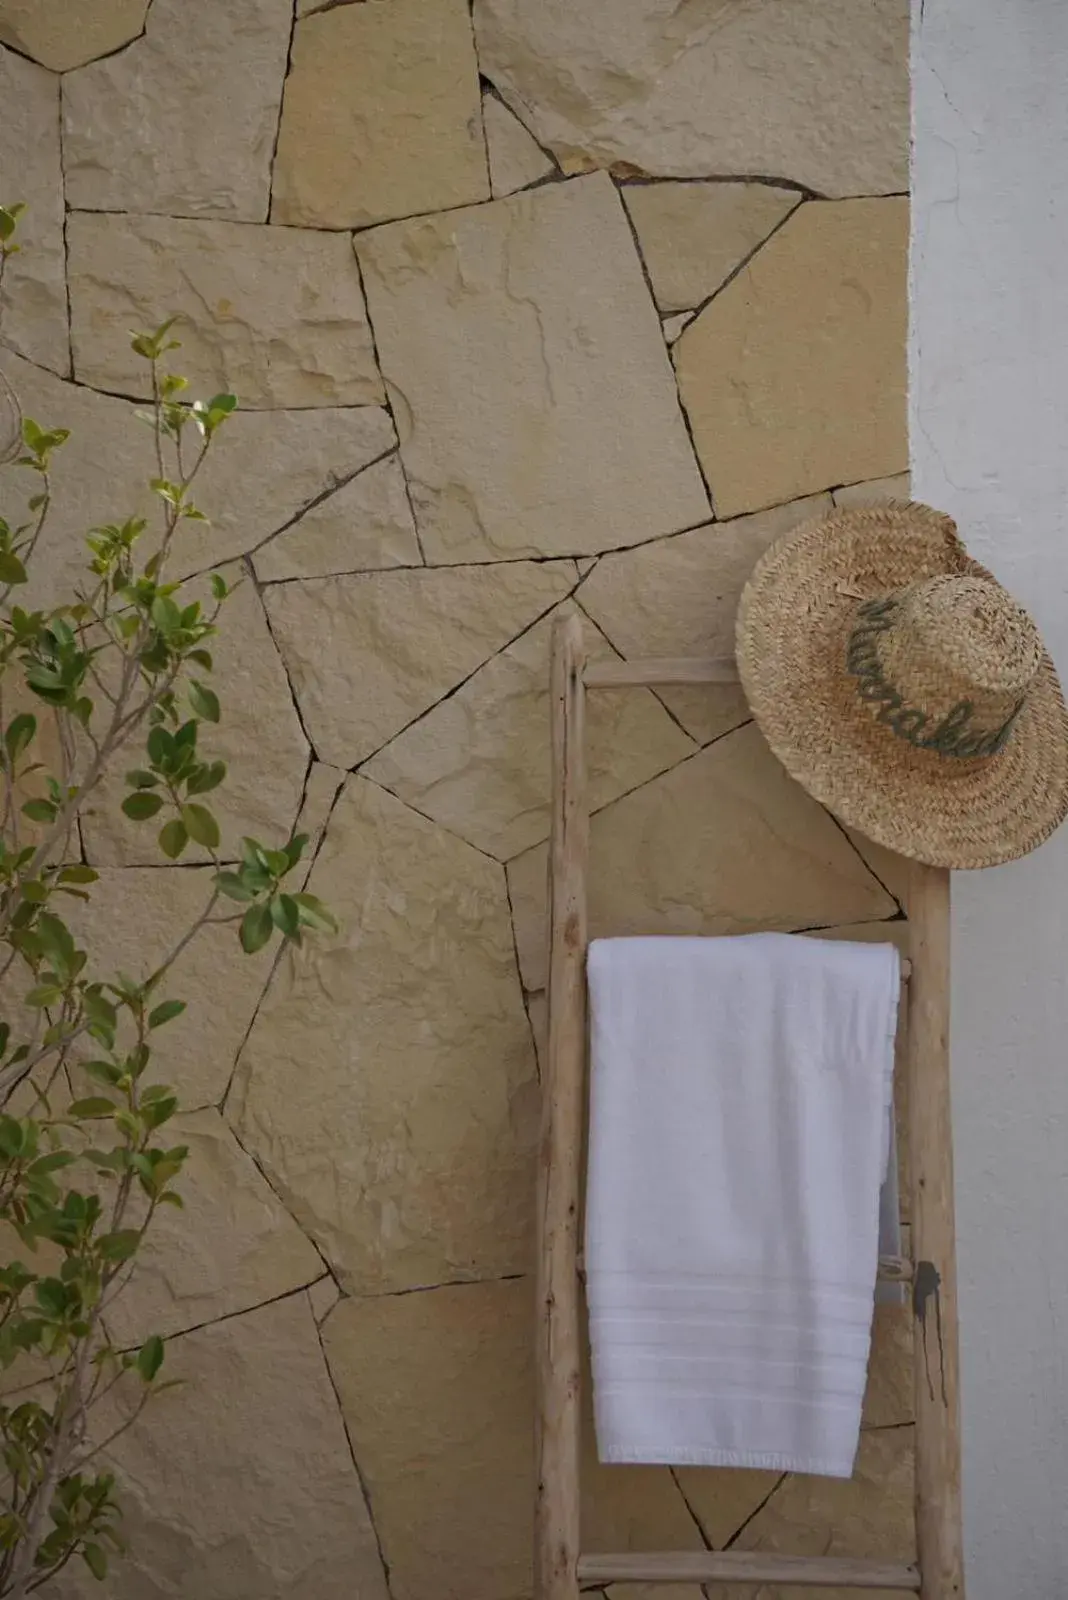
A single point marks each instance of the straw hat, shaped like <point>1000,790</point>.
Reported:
<point>897,681</point>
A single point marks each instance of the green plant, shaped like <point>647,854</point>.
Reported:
<point>85,1160</point>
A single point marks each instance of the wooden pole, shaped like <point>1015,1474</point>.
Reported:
<point>556,1510</point>
<point>934,1288</point>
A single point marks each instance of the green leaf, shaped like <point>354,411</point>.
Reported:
<point>218,586</point>
<point>295,848</point>
<point>165,1013</point>
<point>40,810</point>
<point>256,927</point>
<point>230,884</point>
<point>160,746</point>
<point>141,805</point>
<point>11,568</point>
<point>150,1357</point>
<point>19,734</point>
<point>313,914</point>
<point>9,216</point>
<point>96,1561</point>
<point>173,838</point>
<point>205,702</point>
<point>12,1137</point>
<point>285,913</point>
<point>201,825</point>
<point>120,1245</point>
<point>78,874</point>
<point>140,779</point>
<point>205,778</point>
<point>165,614</point>
<point>92,1106</point>
<point>46,994</point>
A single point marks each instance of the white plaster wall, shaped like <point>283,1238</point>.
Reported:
<point>989,415</point>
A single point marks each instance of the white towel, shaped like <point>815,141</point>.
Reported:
<point>739,1133</point>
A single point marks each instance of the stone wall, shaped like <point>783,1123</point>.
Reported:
<point>565,304</point>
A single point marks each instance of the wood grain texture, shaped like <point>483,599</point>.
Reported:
<point>743,1566</point>
<point>557,1364</point>
<point>934,1289</point>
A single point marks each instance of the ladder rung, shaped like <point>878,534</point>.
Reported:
<point>744,1566</point>
<point>643,671</point>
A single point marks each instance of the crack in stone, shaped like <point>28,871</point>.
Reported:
<point>329,5</point>
<point>649,688</point>
<point>358,768</point>
<point>737,1534</point>
<point>69,374</point>
<point>683,413</point>
<point>694,1518</point>
<point>524,993</point>
<point>268,981</point>
<point>718,290</point>
<point>360,1479</point>
<point>488,87</point>
<point>390,389</point>
<point>865,862</point>
<point>246,562</point>
<point>281,103</point>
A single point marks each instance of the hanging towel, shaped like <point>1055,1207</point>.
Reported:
<point>739,1134</point>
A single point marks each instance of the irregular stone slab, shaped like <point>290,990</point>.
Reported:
<point>409,1158</point>
<point>269,468</point>
<point>234,1245</point>
<point>264,470</point>
<point>100,476</point>
<point>365,526</point>
<point>683,92</point>
<point>891,869</point>
<point>145,911</point>
<point>323,1296</point>
<point>35,294</point>
<point>869,1515</point>
<point>678,597</point>
<point>381,116</point>
<point>673,326</point>
<point>437,1394</point>
<point>724,843</point>
<point>276,315</point>
<point>479,762</point>
<point>516,159</point>
<point>321,789</point>
<point>241,1481</point>
<point>876,493</point>
<point>888,1400</point>
<point>746,360</point>
<point>533,308</point>
<point>259,737</point>
<point>694,235</point>
<point>369,653</point>
<point>142,130</point>
<point>46,30</point>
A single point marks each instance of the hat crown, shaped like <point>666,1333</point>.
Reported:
<point>947,663</point>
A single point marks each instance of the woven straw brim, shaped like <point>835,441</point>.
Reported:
<point>794,623</point>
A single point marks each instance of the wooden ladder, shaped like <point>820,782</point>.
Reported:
<point>561,1566</point>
